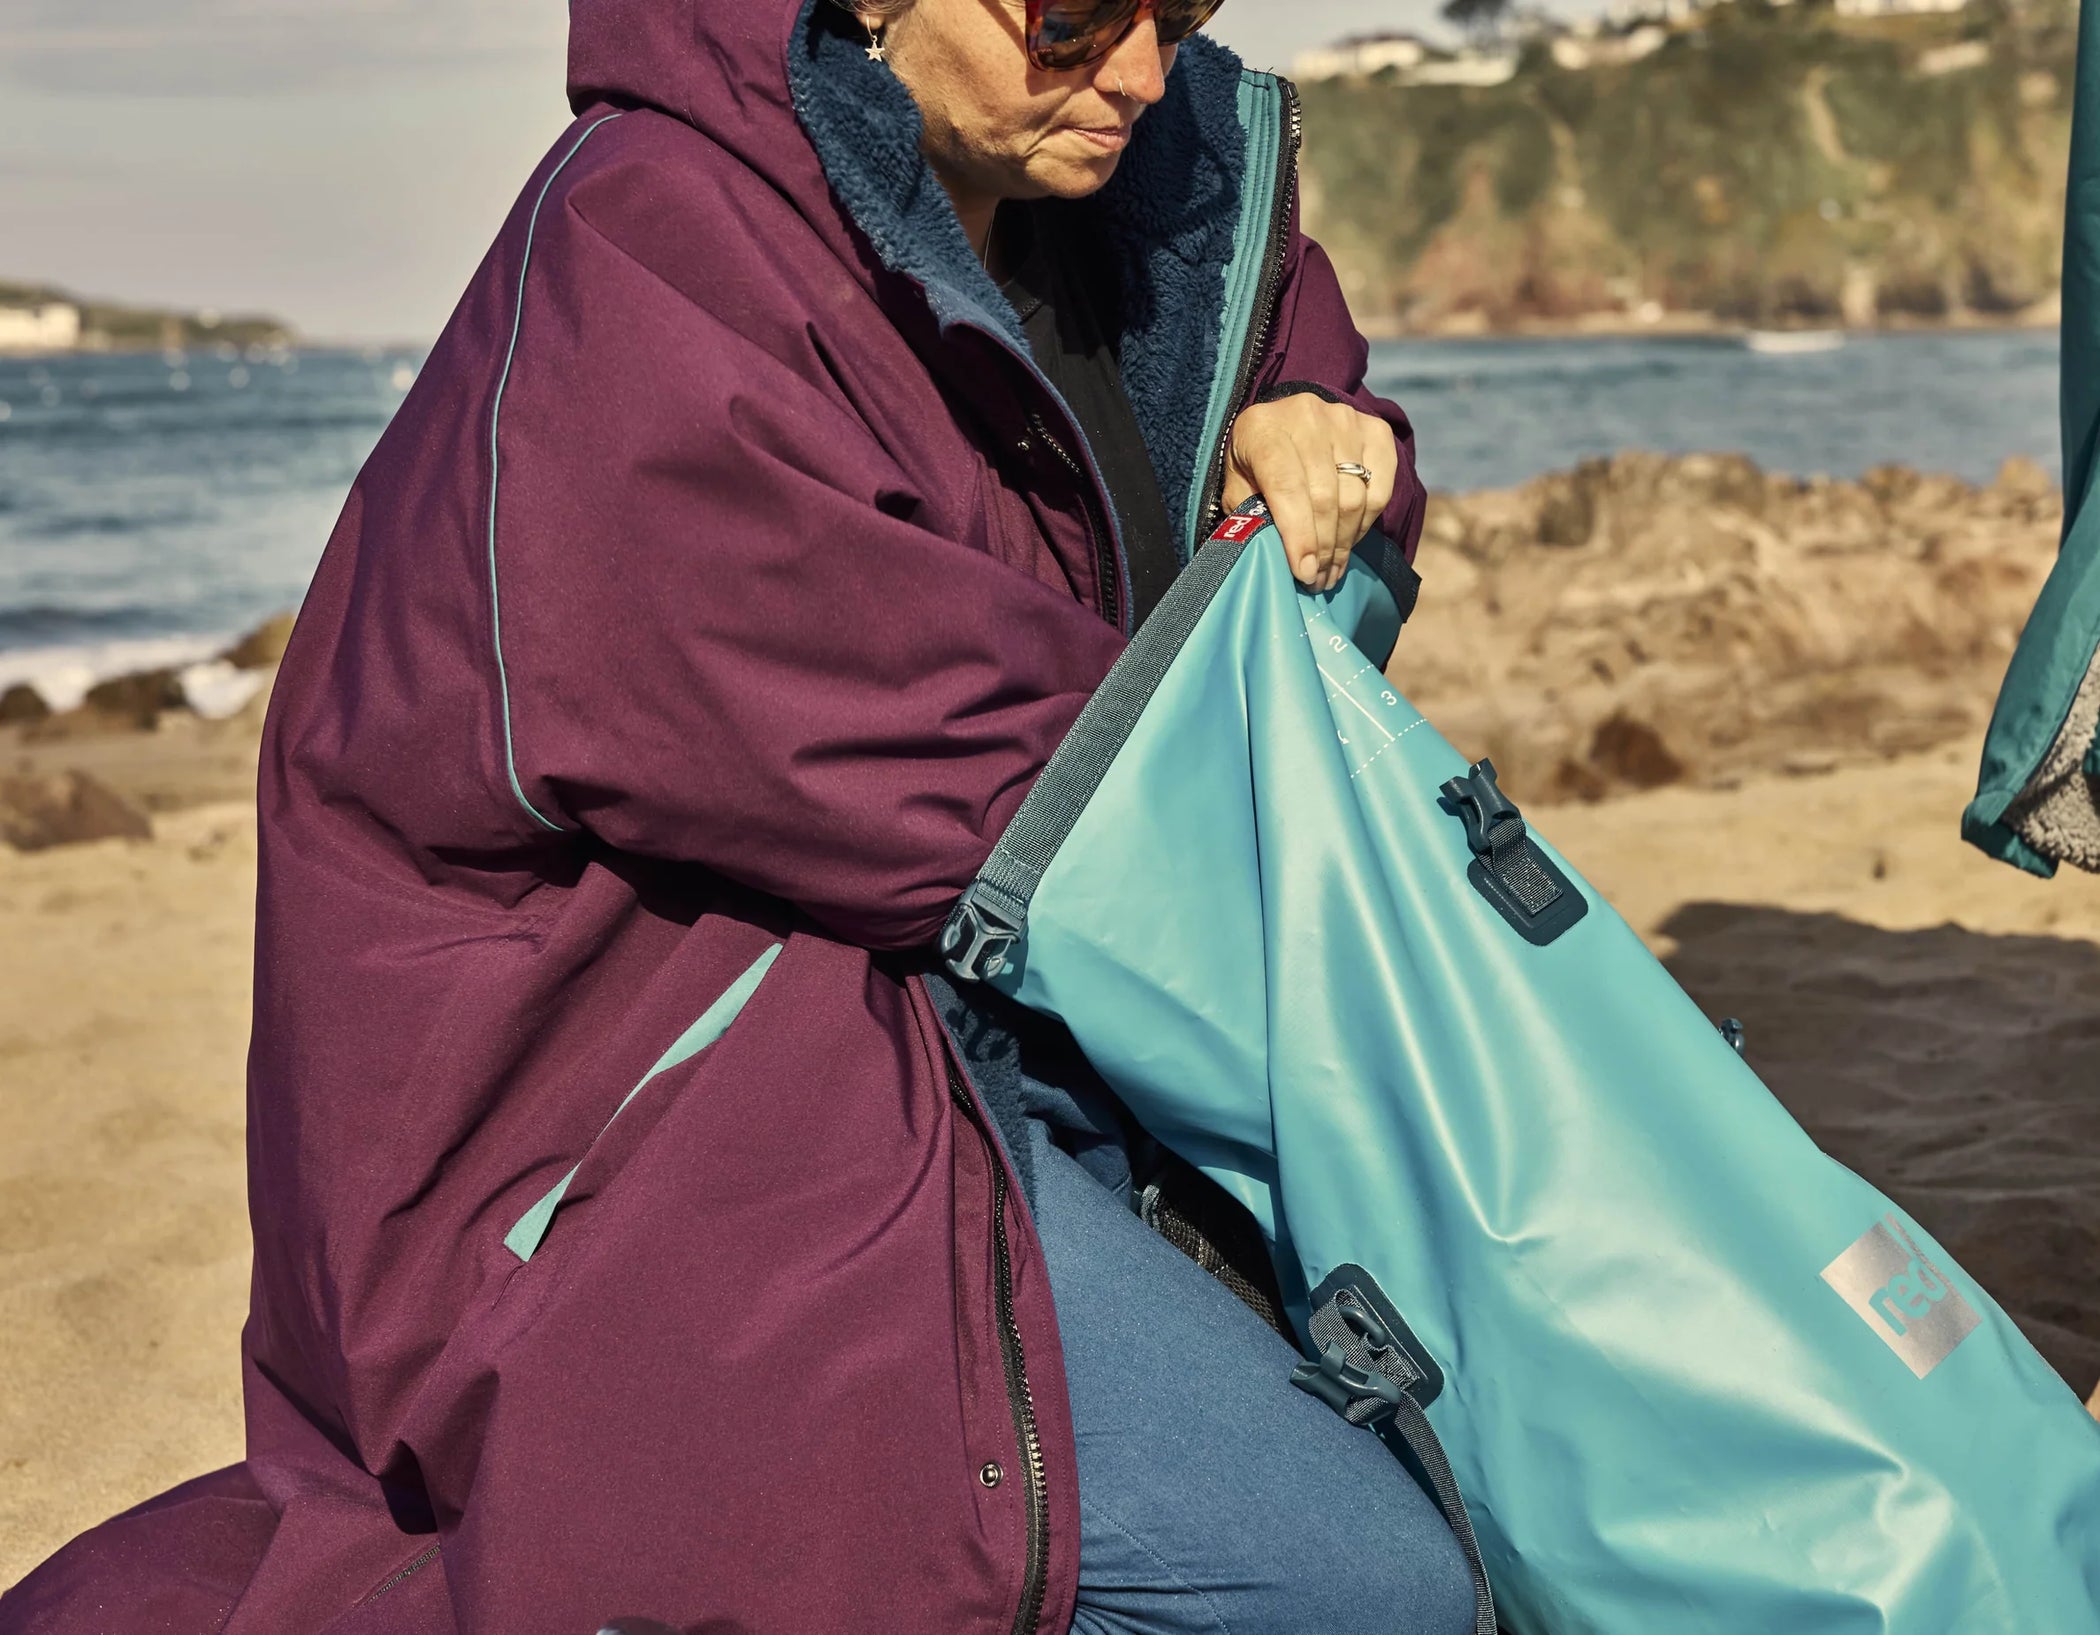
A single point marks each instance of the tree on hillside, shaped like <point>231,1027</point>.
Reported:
<point>1482,19</point>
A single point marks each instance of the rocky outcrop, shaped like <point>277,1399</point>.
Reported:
<point>137,700</point>
<point>1645,620</point>
<point>263,647</point>
<point>22,706</point>
<point>140,700</point>
<point>66,809</point>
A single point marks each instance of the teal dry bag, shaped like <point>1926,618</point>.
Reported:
<point>1694,1377</point>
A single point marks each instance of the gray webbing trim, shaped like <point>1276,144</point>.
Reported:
<point>1007,883</point>
<point>1046,818</point>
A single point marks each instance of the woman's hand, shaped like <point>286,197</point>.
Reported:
<point>1290,453</point>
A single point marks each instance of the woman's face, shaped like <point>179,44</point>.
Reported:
<point>997,126</point>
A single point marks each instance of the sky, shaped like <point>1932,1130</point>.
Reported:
<point>340,163</point>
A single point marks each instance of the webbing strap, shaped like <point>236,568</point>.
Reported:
<point>993,913</point>
<point>1372,1369</point>
<point>1421,1439</point>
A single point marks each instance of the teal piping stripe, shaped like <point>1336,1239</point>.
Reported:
<point>510,753</point>
<point>524,1239</point>
<point>1261,112</point>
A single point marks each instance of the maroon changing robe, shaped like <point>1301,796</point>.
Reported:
<point>721,588</point>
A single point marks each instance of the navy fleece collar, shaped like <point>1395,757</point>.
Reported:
<point>1168,218</point>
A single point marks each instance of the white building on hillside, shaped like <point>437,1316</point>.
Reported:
<point>1895,8</point>
<point>1622,15</point>
<point>51,326</point>
<point>1411,61</point>
<point>1368,54</point>
<point>1601,50</point>
<point>1467,68</point>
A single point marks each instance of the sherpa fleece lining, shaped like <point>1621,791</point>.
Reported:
<point>1169,220</point>
<point>2058,813</point>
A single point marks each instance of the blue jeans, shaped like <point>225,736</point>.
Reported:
<point>1214,1496</point>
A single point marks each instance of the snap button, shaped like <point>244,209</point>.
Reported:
<point>991,1476</point>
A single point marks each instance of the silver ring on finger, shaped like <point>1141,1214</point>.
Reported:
<point>1349,468</point>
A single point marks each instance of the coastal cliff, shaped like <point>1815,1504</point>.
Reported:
<point>1753,166</point>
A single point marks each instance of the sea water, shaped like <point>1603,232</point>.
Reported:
<point>1490,413</point>
<point>152,507</point>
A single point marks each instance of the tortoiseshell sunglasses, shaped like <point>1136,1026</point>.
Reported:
<point>1067,34</point>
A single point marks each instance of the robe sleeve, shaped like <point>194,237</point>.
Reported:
<point>1317,344</point>
<point>732,637</point>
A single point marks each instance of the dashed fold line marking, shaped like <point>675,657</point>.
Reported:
<point>1375,759</point>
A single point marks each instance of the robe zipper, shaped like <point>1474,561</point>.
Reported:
<point>1284,198</point>
<point>1020,1395</point>
<point>1107,569</point>
<point>991,917</point>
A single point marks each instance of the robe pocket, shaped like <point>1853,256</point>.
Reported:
<point>525,1238</point>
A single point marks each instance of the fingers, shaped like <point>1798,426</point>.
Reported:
<point>1291,452</point>
<point>1330,436</point>
<point>1266,459</point>
<point>1356,514</point>
<point>1314,434</point>
<point>1289,491</point>
<point>1286,454</point>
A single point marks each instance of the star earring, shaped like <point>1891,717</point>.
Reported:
<point>877,51</point>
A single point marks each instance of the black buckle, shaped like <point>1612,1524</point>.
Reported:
<point>979,938</point>
<point>1343,1388</point>
<point>1486,811</point>
<point>1369,1359</point>
<point>1526,887</point>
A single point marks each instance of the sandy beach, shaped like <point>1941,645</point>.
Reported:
<point>1932,1017</point>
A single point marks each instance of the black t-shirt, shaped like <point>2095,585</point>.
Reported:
<point>1069,324</point>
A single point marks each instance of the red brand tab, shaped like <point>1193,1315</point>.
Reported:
<point>1237,528</point>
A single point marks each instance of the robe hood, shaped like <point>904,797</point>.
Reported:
<point>786,87</point>
<point>718,65</point>
<point>679,55</point>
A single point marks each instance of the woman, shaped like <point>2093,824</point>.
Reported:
<point>641,1226</point>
